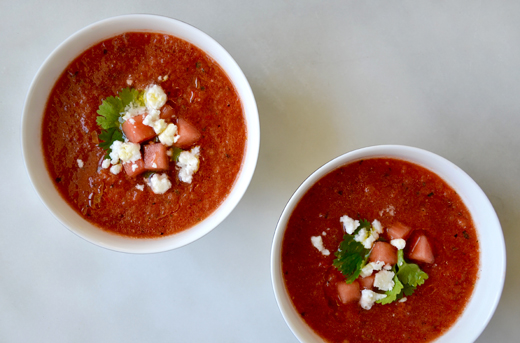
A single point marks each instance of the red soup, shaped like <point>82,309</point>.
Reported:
<point>420,264</point>
<point>144,135</point>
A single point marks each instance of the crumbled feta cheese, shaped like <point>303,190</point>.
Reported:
<point>80,163</point>
<point>189,164</point>
<point>134,167</point>
<point>369,268</point>
<point>377,226</point>
<point>390,210</point>
<point>384,280</point>
<point>132,111</point>
<point>317,241</point>
<point>125,151</point>
<point>154,165</point>
<point>368,298</point>
<point>160,183</point>
<point>169,135</point>
<point>399,243</point>
<point>151,117</point>
<point>368,237</point>
<point>105,164</point>
<point>154,97</point>
<point>116,169</point>
<point>159,126</point>
<point>140,187</point>
<point>402,300</point>
<point>349,224</point>
<point>130,152</point>
<point>114,155</point>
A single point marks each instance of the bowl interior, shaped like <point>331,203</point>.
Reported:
<point>37,97</point>
<point>491,276</point>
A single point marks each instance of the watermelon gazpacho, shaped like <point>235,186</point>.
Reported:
<point>380,250</point>
<point>144,134</point>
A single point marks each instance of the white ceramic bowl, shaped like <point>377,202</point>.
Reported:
<point>492,269</point>
<point>37,97</point>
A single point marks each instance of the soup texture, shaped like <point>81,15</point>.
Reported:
<point>395,193</point>
<point>197,92</point>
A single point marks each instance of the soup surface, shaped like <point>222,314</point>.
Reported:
<point>390,191</point>
<point>198,91</point>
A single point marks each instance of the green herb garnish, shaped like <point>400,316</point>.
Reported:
<point>108,137</point>
<point>351,258</point>
<point>176,152</point>
<point>407,277</point>
<point>110,111</point>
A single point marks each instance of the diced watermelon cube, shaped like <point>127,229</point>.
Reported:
<point>421,250</point>
<point>167,113</point>
<point>134,171</point>
<point>398,230</point>
<point>188,134</point>
<point>136,131</point>
<point>384,252</point>
<point>367,282</point>
<point>155,157</point>
<point>348,292</point>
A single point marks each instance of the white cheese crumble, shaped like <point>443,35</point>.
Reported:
<point>390,210</point>
<point>80,163</point>
<point>368,237</point>
<point>317,241</point>
<point>384,280</point>
<point>159,126</point>
<point>132,111</point>
<point>369,268</point>
<point>349,224</point>
<point>160,183</point>
<point>140,187</point>
<point>134,167</point>
<point>399,243</point>
<point>151,117</point>
<point>169,135</point>
<point>105,164</point>
<point>368,298</point>
<point>116,169</point>
<point>154,97</point>
<point>189,164</point>
<point>125,151</point>
<point>402,300</point>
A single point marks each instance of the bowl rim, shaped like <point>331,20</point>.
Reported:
<point>486,294</point>
<point>53,66</point>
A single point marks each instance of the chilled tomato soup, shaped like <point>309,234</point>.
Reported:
<point>144,135</point>
<point>380,250</point>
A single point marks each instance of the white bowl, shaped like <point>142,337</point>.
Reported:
<point>489,285</point>
<point>37,97</point>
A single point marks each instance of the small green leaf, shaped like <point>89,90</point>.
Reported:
<point>108,137</point>
<point>393,294</point>
<point>131,96</point>
<point>109,112</point>
<point>176,152</point>
<point>409,273</point>
<point>351,258</point>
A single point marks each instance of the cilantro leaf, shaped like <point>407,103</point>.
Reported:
<point>131,96</point>
<point>176,152</point>
<point>109,112</point>
<point>409,273</point>
<point>393,294</point>
<point>112,107</point>
<point>108,137</point>
<point>351,258</point>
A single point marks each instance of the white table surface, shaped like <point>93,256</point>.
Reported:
<point>329,77</point>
